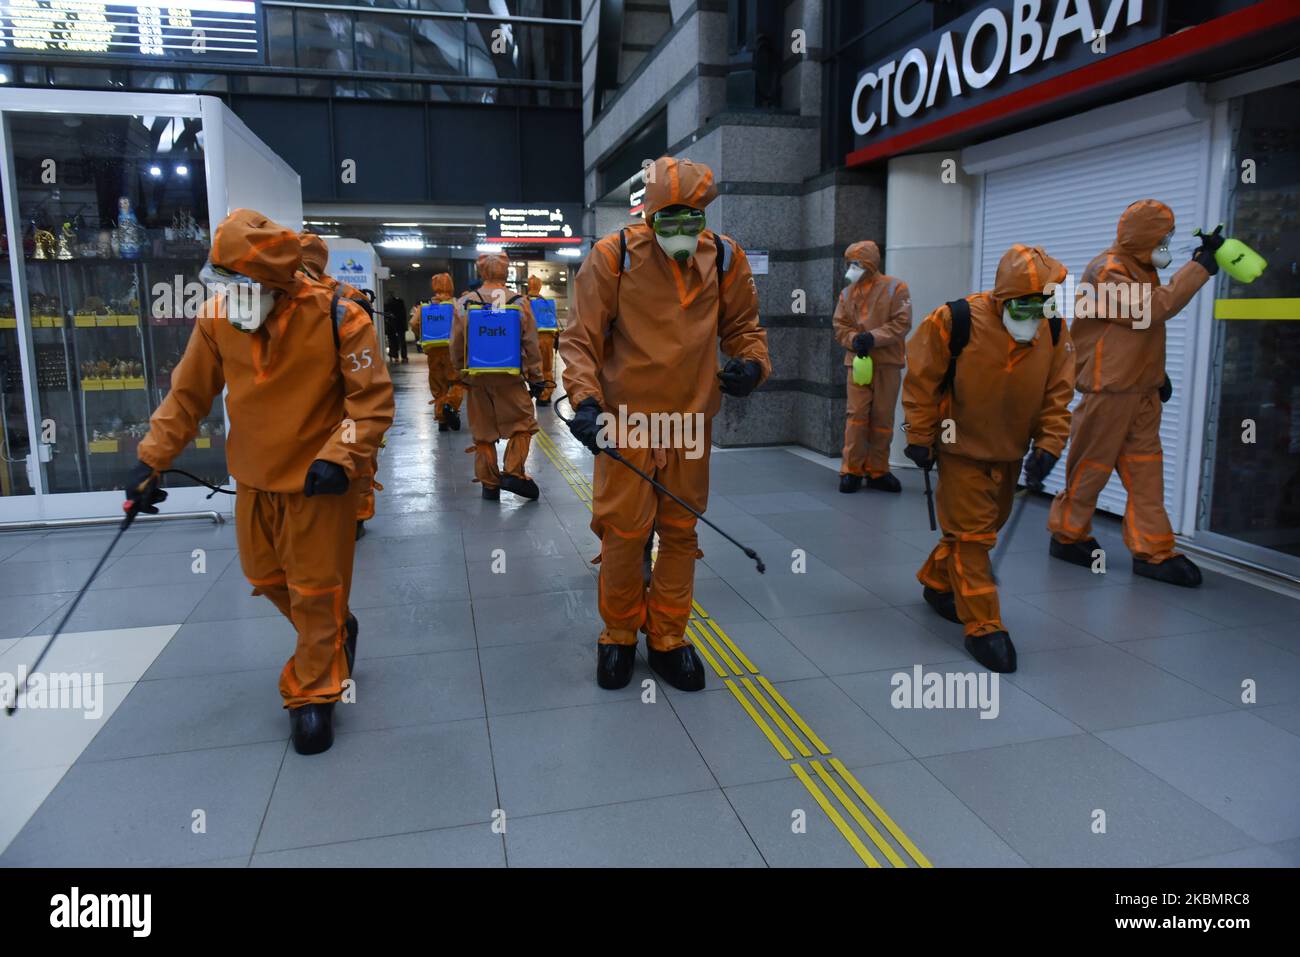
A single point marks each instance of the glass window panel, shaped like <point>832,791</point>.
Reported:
<point>438,46</point>
<point>324,40</point>
<point>383,43</point>
<point>279,36</point>
<point>15,442</point>
<point>206,82</point>
<point>385,91</point>
<point>127,217</point>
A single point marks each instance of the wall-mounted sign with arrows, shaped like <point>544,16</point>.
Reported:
<point>559,224</point>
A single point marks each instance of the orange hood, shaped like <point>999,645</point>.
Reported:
<point>442,287</point>
<point>674,182</point>
<point>1142,227</point>
<point>1024,271</point>
<point>248,243</point>
<point>315,254</point>
<point>866,254</point>
<point>534,286</point>
<point>492,267</point>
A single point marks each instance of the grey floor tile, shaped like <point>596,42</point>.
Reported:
<point>783,594</point>
<point>890,698</point>
<point>170,537</point>
<point>22,613</point>
<point>1249,857</point>
<point>546,542</point>
<point>21,579</point>
<point>131,608</point>
<point>774,655</point>
<point>852,552</point>
<point>550,674</point>
<point>1244,769</point>
<point>432,550</point>
<point>185,714</point>
<point>69,545</point>
<point>471,846</point>
<point>409,584</point>
<point>854,737</point>
<point>855,641</point>
<point>140,811</point>
<point>784,820</point>
<point>1286,716</point>
<point>381,783</point>
<point>683,830</point>
<point>1101,687</point>
<point>943,829</point>
<point>724,603</point>
<point>164,569</point>
<point>232,598</point>
<point>1227,601</point>
<point>530,576</point>
<point>413,629</point>
<point>1222,661</point>
<point>556,616</point>
<point>412,690</point>
<point>14,542</point>
<point>214,647</point>
<point>591,755</point>
<point>1044,797</point>
<point>1120,614</point>
<point>1030,628</point>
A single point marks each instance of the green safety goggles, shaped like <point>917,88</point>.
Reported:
<point>1026,308</point>
<point>687,223</point>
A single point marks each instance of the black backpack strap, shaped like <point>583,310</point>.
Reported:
<point>513,299</point>
<point>622,251</point>
<point>958,337</point>
<point>336,320</point>
<point>1054,323</point>
<point>724,256</point>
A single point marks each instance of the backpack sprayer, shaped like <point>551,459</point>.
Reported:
<point>132,509</point>
<point>617,456</point>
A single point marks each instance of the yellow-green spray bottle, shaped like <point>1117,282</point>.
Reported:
<point>1238,260</point>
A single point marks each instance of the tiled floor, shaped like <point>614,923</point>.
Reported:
<point>479,737</point>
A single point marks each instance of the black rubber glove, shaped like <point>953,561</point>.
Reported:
<point>1038,465</point>
<point>535,389</point>
<point>740,377</point>
<point>1166,390</point>
<point>585,425</point>
<point>142,491</point>
<point>1210,243</point>
<point>325,478</point>
<point>922,455</point>
<point>863,343</point>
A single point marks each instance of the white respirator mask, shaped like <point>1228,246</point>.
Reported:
<point>1161,258</point>
<point>246,303</point>
<point>680,248</point>
<point>853,273</point>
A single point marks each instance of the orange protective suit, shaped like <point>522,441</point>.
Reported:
<point>315,256</point>
<point>642,339</point>
<point>1004,395</point>
<point>881,305</point>
<point>499,404</point>
<point>444,382</point>
<point>1121,367</point>
<point>293,397</point>
<point>546,339</point>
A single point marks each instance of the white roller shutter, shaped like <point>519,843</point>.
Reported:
<point>1070,205</point>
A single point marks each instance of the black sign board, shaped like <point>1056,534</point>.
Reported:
<point>193,31</point>
<point>531,224</point>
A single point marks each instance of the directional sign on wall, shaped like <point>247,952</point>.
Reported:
<point>559,224</point>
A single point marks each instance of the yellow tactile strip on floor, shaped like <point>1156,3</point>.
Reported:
<point>783,726</point>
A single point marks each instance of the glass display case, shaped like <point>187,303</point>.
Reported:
<point>109,203</point>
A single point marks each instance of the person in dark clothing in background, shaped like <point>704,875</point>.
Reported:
<point>395,326</point>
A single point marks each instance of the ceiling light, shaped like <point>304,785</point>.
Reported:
<point>155,171</point>
<point>490,248</point>
<point>571,253</point>
<point>182,170</point>
<point>404,242</point>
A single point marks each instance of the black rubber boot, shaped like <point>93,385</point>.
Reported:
<point>885,483</point>
<point>1179,570</point>
<point>350,643</point>
<point>543,403</point>
<point>361,531</point>
<point>451,417</point>
<point>994,651</point>
<point>523,487</point>
<point>312,727</point>
<point>943,602</point>
<point>443,427</point>
<point>614,665</point>
<point>1076,553</point>
<point>850,483</point>
<point>491,494</point>
<point>680,667</point>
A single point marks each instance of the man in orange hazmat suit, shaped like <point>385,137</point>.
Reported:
<point>872,318</point>
<point>315,257</point>
<point>546,342</point>
<point>500,403</point>
<point>444,382</point>
<point>651,306</point>
<point>985,376</point>
<point>1119,335</point>
<point>309,398</point>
